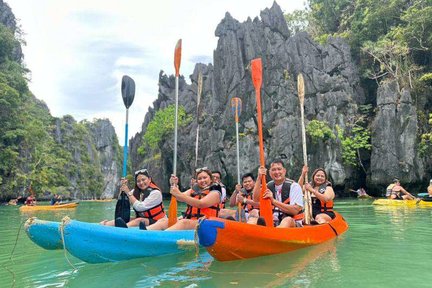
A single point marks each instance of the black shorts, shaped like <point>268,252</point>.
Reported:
<point>329,213</point>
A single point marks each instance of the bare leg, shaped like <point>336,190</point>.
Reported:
<point>135,222</point>
<point>107,222</point>
<point>322,218</point>
<point>287,222</point>
<point>253,217</point>
<point>184,224</point>
<point>161,224</point>
<point>224,213</point>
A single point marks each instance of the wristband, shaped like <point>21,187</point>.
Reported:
<point>130,193</point>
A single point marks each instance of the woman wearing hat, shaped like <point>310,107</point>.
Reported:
<point>146,199</point>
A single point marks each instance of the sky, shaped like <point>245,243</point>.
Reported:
<point>78,51</point>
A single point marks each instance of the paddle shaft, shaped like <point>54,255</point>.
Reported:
<point>301,91</point>
<point>125,147</point>
<point>199,90</point>
<point>175,126</point>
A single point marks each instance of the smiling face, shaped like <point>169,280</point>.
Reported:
<point>142,181</point>
<point>248,183</point>
<point>319,178</point>
<point>204,179</point>
<point>216,177</point>
<point>277,173</point>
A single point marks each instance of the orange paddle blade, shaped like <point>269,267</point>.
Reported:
<point>266,208</point>
<point>172,212</point>
<point>177,57</point>
<point>256,65</point>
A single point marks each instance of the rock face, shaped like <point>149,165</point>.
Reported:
<point>108,155</point>
<point>394,137</point>
<point>8,19</point>
<point>94,162</point>
<point>332,95</point>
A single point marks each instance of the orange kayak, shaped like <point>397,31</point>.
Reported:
<point>229,240</point>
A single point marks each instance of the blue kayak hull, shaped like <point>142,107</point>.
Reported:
<point>94,243</point>
<point>45,234</point>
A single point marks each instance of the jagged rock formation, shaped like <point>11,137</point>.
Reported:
<point>332,95</point>
<point>394,137</point>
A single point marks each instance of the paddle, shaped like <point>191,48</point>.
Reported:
<point>236,107</point>
<point>199,91</point>
<point>265,204</point>
<point>122,209</point>
<point>172,210</point>
<point>307,199</point>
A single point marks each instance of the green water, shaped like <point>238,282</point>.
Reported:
<point>384,247</point>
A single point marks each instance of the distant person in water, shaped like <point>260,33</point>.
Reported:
<point>146,200</point>
<point>361,193</point>
<point>396,192</point>
<point>30,201</point>
<point>56,199</point>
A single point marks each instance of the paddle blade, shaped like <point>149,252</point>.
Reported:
<point>128,90</point>
<point>300,88</point>
<point>256,65</point>
<point>122,208</point>
<point>177,57</point>
<point>172,212</point>
<point>236,107</point>
<point>266,209</point>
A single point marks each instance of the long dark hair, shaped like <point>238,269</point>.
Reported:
<point>325,175</point>
<point>145,173</point>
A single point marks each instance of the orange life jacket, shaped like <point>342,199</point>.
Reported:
<point>196,213</point>
<point>249,196</point>
<point>285,195</point>
<point>157,212</point>
<point>322,206</point>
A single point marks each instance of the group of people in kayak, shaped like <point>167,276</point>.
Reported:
<point>206,197</point>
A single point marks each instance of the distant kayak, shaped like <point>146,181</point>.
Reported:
<point>49,207</point>
<point>230,240</point>
<point>425,202</point>
<point>364,197</point>
<point>391,202</point>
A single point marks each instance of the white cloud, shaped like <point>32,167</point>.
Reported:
<point>79,50</point>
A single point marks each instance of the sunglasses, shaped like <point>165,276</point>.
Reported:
<point>199,170</point>
<point>142,171</point>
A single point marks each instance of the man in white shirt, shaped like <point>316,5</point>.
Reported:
<point>286,196</point>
